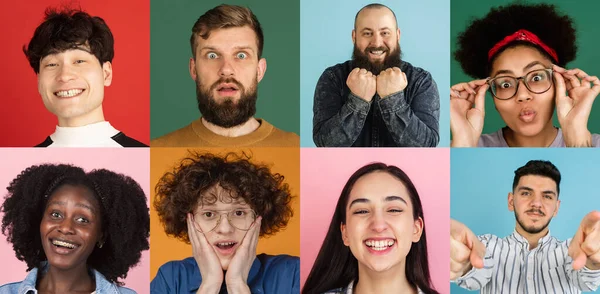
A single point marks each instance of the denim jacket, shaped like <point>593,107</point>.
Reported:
<point>27,286</point>
<point>409,118</point>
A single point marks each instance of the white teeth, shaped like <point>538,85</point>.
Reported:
<point>69,93</point>
<point>379,52</point>
<point>226,244</point>
<point>63,244</point>
<point>379,245</point>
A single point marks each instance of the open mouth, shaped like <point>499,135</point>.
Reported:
<point>376,52</point>
<point>226,247</point>
<point>63,246</point>
<point>380,245</point>
<point>68,93</point>
<point>227,89</point>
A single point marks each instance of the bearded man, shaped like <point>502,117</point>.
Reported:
<point>226,64</point>
<point>376,99</point>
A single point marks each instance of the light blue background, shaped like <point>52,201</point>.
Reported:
<point>326,39</point>
<point>481,179</point>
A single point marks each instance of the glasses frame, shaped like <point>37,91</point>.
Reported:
<point>221,213</point>
<point>521,78</point>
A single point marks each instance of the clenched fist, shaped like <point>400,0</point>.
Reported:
<point>466,251</point>
<point>362,83</point>
<point>390,81</point>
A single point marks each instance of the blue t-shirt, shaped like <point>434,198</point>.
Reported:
<point>278,274</point>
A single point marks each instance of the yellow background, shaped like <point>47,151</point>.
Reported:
<point>285,161</point>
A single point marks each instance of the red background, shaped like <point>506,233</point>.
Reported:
<point>24,119</point>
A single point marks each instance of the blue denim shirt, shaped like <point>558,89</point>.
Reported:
<point>409,118</point>
<point>27,286</point>
<point>279,274</point>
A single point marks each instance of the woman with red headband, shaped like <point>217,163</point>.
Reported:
<point>518,53</point>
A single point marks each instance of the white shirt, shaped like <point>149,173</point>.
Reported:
<point>510,267</point>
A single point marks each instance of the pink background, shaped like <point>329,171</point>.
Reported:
<point>133,162</point>
<point>324,173</point>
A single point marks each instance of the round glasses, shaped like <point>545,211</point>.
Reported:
<point>207,220</point>
<point>506,87</point>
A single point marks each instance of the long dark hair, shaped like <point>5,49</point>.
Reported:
<point>335,265</point>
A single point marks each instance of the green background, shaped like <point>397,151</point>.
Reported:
<point>585,20</point>
<point>172,90</point>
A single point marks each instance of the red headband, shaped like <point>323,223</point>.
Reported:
<point>522,35</point>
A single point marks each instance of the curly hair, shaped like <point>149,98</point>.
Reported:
<point>180,191</point>
<point>68,29</point>
<point>555,30</point>
<point>124,213</point>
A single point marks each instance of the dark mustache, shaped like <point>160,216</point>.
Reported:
<point>536,211</point>
<point>227,80</point>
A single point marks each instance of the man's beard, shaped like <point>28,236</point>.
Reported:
<point>360,59</point>
<point>531,230</point>
<point>226,113</point>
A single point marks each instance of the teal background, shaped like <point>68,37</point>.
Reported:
<point>172,90</point>
<point>585,19</point>
<point>326,39</point>
<point>481,178</point>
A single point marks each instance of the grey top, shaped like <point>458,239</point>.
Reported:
<point>496,139</point>
<point>409,118</point>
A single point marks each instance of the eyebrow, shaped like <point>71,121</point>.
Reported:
<point>531,190</point>
<point>527,67</point>
<point>381,29</point>
<point>387,199</point>
<point>62,203</point>
<point>236,48</point>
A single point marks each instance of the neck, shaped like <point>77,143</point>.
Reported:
<point>390,281</point>
<point>75,280</point>
<point>240,130</point>
<point>94,116</point>
<point>532,239</point>
<point>542,139</point>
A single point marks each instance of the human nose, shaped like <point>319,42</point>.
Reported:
<point>536,201</point>
<point>223,225</point>
<point>66,73</point>
<point>523,93</point>
<point>377,40</point>
<point>66,227</point>
<point>226,68</point>
<point>378,222</point>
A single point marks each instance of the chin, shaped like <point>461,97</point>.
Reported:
<point>529,130</point>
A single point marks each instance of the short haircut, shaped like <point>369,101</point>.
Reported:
<point>226,16</point>
<point>69,29</point>
<point>190,184</point>
<point>538,168</point>
<point>125,218</point>
<point>374,6</point>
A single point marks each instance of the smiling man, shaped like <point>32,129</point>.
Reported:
<point>530,260</point>
<point>227,65</point>
<point>376,99</point>
<point>71,53</point>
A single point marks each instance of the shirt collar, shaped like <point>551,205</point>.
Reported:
<point>253,278</point>
<point>522,240</point>
<point>29,283</point>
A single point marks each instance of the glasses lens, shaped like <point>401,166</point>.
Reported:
<point>538,81</point>
<point>242,218</point>
<point>504,87</point>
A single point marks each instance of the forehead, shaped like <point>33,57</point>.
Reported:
<point>376,186</point>
<point>517,58</point>
<point>537,182</point>
<point>375,19</point>
<point>229,38</point>
<point>76,194</point>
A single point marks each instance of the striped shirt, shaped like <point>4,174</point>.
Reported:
<point>510,267</point>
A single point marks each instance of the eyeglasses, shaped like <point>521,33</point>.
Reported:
<point>207,220</point>
<point>506,87</point>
